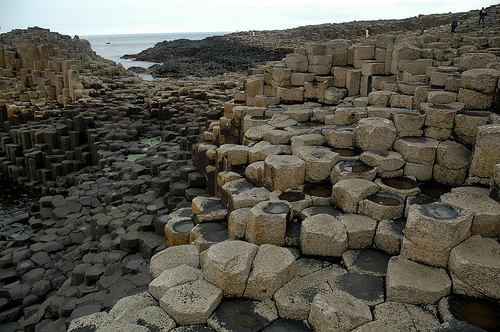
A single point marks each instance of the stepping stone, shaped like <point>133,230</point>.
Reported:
<point>272,267</point>
<point>266,222</point>
<point>191,303</point>
<point>360,230</point>
<point>208,209</point>
<point>173,257</point>
<point>474,267</point>
<point>405,317</point>
<point>294,299</point>
<point>323,235</point>
<point>90,322</point>
<point>243,315</point>
<point>338,311</point>
<point>227,265</point>
<point>369,289</point>
<point>415,283</point>
<point>131,304</point>
<point>173,277</point>
<point>366,261</point>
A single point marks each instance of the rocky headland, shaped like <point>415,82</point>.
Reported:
<point>239,51</point>
<point>350,185</point>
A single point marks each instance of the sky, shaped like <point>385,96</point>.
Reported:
<point>102,17</point>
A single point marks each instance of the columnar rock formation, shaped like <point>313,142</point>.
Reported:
<point>304,207</point>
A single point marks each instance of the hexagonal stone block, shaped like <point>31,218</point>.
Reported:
<point>405,317</point>
<point>383,205</point>
<point>318,162</point>
<point>272,267</point>
<point>418,150</point>
<point>191,303</point>
<point>267,222</point>
<point>485,211</point>
<point>375,134</point>
<point>346,194</point>
<point>227,265</point>
<point>173,257</point>
<point>432,230</point>
<point>323,235</point>
<point>415,283</point>
<point>338,311</point>
<point>173,277</point>
<point>474,267</point>
<point>294,299</point>
<point>360,230</point>
<point>283,172</point>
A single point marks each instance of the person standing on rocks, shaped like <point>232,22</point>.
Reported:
<point>454,25</point>
<point>482,15</point>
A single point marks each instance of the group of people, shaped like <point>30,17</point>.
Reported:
<point>482,17</point>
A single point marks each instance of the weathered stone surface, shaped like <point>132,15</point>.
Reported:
<point>486,150</point>
<point>432,230</point>
<point>243,315</point>
<point>173,257</point>
<point>415,283</point>
<point>375,134</point>
<point>173,277</point>
<point>318,162</point>
<point>338,311</point>
<point>474,266</point>
<point>294,299</point>
<point>482,80</point>
<point>323,235</point>
<point>272,267</point>
<point>227,265</point>
<point>346,194</point>
<point>485,211</point>
<point>267,222</point>
<point>360,230</point>
<point>388,236</point>
<point>405,316</point>
<point>191,303</point>
<point>283,172</point>
<point>417,150</point>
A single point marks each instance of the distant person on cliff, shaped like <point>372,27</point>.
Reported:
<point>482,15</point>
<point>454,25</point>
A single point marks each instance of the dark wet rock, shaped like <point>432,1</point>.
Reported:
<point>86,308</point>
<point>242,315</point>
<point>287,325</point>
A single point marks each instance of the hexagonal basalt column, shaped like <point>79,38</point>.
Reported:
<point>227,265</point>
<point>323,235</point>
<point>383,205</point>
<point>318,161</point>
<point>272,268</point>
<point>485,211</point>
<point>408,122</point>
<point>338,311</point>
<point>432,230</point>
<point>191,303</point>
<point>267,223</point>
<point>475,266</point>
<point>283,172</point>
<point>375,134</point>
<point>339,137</point>
<point>346,194</point>
<point>352,170</point>
<point>400,185</point>
<point>415,283</point>
<point>418,150</point>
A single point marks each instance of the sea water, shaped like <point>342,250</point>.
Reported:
<point>113,47</point>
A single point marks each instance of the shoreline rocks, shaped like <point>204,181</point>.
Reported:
<point>236,172</point>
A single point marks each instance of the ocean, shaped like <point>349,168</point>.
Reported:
<point>113,47</point>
